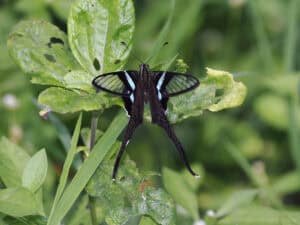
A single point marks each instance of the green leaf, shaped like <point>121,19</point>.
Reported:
<point>206,96</point>
<point>146,220</point>
<point>86,135</point>
<point>273,110</point>
<point>191,182</point>
<point>234,92</point>
<point>97,29</point>
<point>18,202</point>
<point>87,169</point>
<point>236,201</point>
<point>81,215</point>
<point>13,160</point>
<point>287,183</point>
<point>67,165</point>
<point>35,171</point>
<point>41,50</point>
<point>181,193</point>
<point>79,79</point>
<point>27,220</point>
<point>67,101</point>
<point>259,215</point>
<point>132,195</point>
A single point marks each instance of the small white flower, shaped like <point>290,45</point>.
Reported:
<point>210,213</point>
<point>10,101</point>
<point>236,3</point>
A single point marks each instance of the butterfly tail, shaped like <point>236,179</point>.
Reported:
<point>164,123</point>
<point>132,125</point>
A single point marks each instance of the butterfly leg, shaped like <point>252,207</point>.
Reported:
<point>132,125</point>
<point>162,121</point>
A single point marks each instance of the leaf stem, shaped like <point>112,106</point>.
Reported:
<point>92,202</point>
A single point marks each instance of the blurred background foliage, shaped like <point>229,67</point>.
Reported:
<point>253,146</point>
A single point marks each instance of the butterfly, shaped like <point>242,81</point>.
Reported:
<point>145,86</point>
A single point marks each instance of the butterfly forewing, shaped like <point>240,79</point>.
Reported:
<point>169,84</point>
<point>118,83</point>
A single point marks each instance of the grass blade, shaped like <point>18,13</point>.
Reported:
<point>65,172</point>
<point>162,36</point>
<point>88,168</point>
<point>261,36</point>
<point>291,37</point>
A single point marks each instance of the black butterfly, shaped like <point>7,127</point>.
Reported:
<point>139,87</point>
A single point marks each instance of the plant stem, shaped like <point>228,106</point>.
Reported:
<point>92,202</point>
<point>291,37</point>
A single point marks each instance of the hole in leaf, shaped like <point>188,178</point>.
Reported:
<point>96,64</point>
<point>55,40</point>
<point>219,92</point>
<point>50,58</point>
<point>117,61</point>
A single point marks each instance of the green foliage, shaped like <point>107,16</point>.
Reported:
<point>35,171</point>
<point>180,191</point>
<point>23,177</point>
<point>13,161</point>
<point>86,170</point>
<point>206,96</point>
<point>132,195</point>
<point>97,30</point>
<point>255,146</point>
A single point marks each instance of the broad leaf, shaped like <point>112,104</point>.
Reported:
<point>68,101</point>
<point>35,171</point>
<point>146,220</point>
<point>206,96</point>
<point>79,79</point>
<point>236,201</point>
<point>97,32</point>
<point>12,163</point>
<point>42,51</point>
<point>18,202</point>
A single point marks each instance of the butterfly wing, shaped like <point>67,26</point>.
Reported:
<point>169,84</point>
<point>120,83</point>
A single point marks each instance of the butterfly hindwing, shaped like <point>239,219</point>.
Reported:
<point>170,84</point>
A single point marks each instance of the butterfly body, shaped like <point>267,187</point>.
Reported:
<point>145,86</point>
